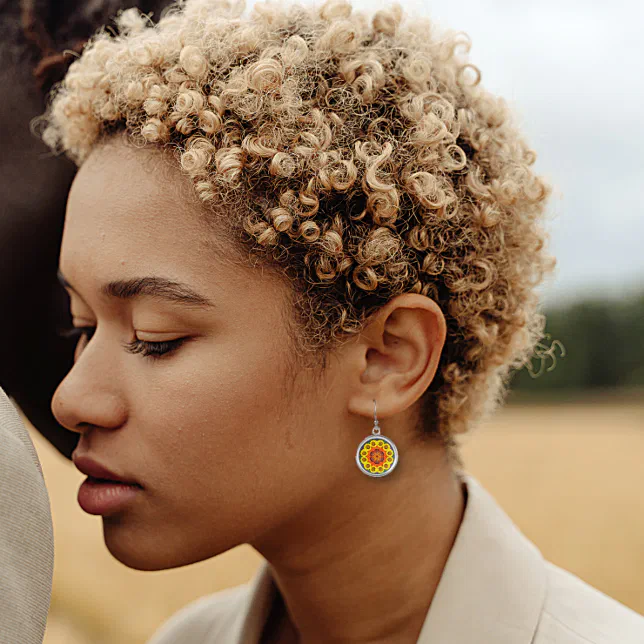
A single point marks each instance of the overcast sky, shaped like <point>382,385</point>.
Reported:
<point>573,71</point>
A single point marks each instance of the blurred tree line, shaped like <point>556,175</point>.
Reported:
<point>591,344</point>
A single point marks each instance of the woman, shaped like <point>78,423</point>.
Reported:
<point>302,250</point>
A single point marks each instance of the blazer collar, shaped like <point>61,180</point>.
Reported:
<point>492,589</point>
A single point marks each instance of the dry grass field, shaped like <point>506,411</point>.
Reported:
<point>570,475</point>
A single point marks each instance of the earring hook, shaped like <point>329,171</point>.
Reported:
<point>375,417</point>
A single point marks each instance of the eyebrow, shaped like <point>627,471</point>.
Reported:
<point>151,286</point>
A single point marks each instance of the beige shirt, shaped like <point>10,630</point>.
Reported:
<point>26,534</point>
<point>496,588</point>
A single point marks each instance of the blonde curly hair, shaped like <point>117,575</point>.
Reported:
<point>359,156</point>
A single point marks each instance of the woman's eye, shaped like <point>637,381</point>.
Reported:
<point>151,349</point>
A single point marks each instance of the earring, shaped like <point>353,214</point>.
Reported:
<point>377,455</point>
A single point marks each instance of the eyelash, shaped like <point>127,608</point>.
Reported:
<point>153,350</point>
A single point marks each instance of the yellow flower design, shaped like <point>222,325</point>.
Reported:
<point>377,455</point>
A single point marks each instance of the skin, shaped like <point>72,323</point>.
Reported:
<point>228,447</point>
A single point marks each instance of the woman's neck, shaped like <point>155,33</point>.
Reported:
<point>364,564</point>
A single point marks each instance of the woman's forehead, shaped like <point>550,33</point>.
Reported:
<point>127,220</point>
<point>134,189</point>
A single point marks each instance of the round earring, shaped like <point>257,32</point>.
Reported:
<point>377,455</point>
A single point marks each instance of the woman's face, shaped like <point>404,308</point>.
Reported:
<point>225,445</point>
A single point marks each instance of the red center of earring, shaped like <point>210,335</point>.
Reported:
<point>377,456</point>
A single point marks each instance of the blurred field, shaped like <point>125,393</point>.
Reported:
<point>570,475</point>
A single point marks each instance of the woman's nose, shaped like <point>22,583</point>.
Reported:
<point>89,394</point>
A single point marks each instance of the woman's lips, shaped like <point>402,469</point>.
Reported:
<point>106,497</point>
<point>96,470</point>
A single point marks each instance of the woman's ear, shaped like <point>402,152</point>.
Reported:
<point>398,355</point>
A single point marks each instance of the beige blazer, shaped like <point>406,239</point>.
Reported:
<point>496,588</point>
<point>26,534</point>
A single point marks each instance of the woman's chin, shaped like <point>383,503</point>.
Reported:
<point>148,551</point>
